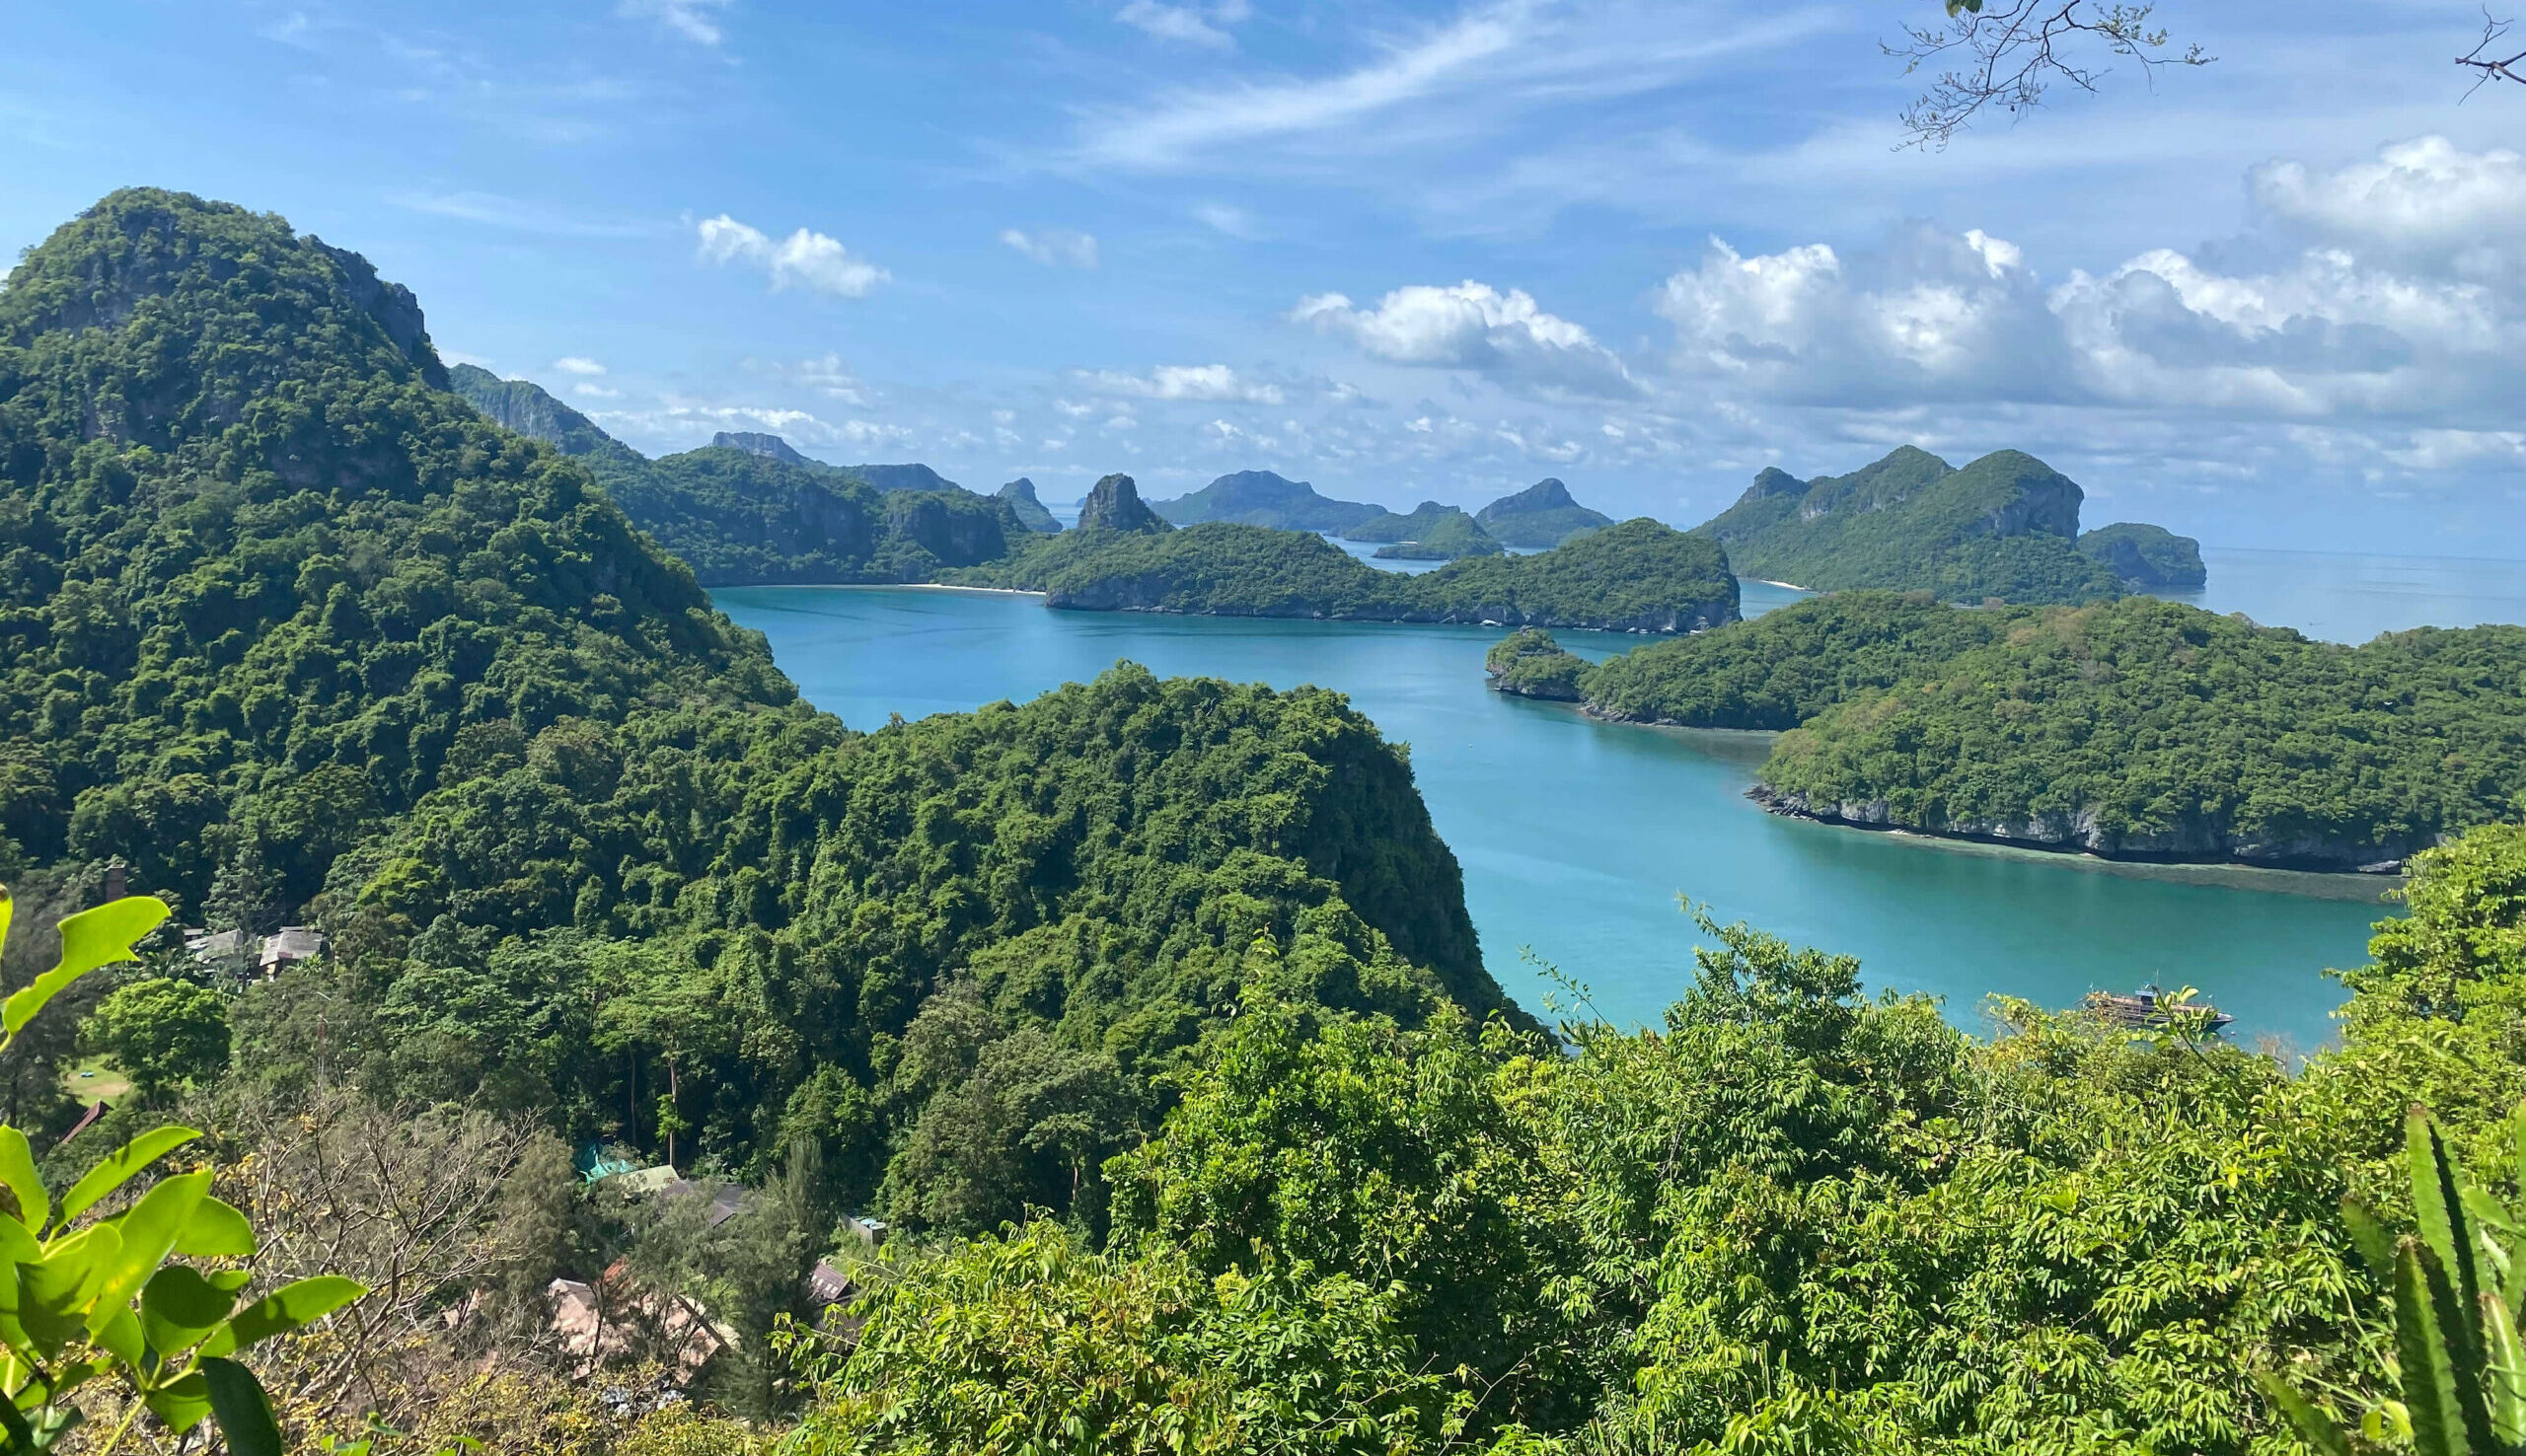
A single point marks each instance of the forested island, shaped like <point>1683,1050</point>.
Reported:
<point>1148,1013</point>
<point>1639,577</point>
<point>2135,729</point>
<point>749,510</point>
<point>1430,532</point>
<point>2005,527</point>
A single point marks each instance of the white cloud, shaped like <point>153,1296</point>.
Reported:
<point>1466,78</point>
<point>1054,246</point>
<point>805,258</point>
<point>833,376</point>
<point>587,391</point>
<point>1960,317</point>
<point>693,20</point>
<point>1236,222</point>
<point>2423,194</point>
<point>1474,327</point>
<point>1198,24</point>
<point>579,364</point>
<point>1212,382</point>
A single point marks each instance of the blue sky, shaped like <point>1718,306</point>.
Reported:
<point>1401,250</point>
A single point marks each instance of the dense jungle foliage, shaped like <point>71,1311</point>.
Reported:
<point>1786,666</point>
<point>2145,726</point>
<point>1638,576</point>
<point>2148,559</point>
<point>1149,1011</point>
<point>741,517</point>
<point>294,632</point>
<point>2002,526</point>
<point>1450,536</point>
<point>1529,663</point>
<point>1794,1218</point>
<point>2133,727</point>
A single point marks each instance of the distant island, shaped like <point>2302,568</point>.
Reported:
<point>1539,517</point>
<point>748,509</point>
<point>2132,729</point>
<point>1262,498</point>
<point>1030,512</point>
<point>1429,532</point>
<point>1636,576</point>
<point>2005,527</point>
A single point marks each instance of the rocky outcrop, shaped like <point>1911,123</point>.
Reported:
<point>393,306</point>
<point>770,447</point>
<point>957,538</point>
<point>1030,513</point>
<point>2148,559</point>
<point>1115,504</point>
<point>2194,842</point>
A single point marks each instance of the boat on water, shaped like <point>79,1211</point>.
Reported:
<point>2150,1006</point>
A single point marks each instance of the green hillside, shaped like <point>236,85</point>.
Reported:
<point>2148,559</point>
<point>748,510</point>
<point>1539,517</point>
<point>1262,498</point>
<point>1431,533</point>
<point>1639,577</point>
<point>2003,526</point>
<point>289,623</point>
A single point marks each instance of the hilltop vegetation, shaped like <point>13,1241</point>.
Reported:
<point>2148,559</point>
<point>1640,576</point>
<point>303,635</point>
<point>747,509</point>
<point>1788,664</point>
<point>1148,1010</point>
<point>2136,728</point>
<point>1030,512</point>
<point>2149,728</point>
<point>1539,517</point>
<point>1431,533</point>
<point>1262,498</point>
<point>2003,526</point>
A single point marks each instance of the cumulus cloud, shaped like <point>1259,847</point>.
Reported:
<point>1936,315</point>
<point>1054,246</point>
<point>1473,327</point>
<point>579,364</point>
<point>1198,24</point>
<point>690,19</point>
<point>1210,382</point>
<point>586,390</point>
<point>804,259</point>
<point>2418,199</point>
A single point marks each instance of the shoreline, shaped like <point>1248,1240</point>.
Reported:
<point>2354,885</point>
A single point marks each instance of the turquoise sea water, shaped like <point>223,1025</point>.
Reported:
<point>1577,837</point>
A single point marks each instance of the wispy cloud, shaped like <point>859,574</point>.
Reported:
<point>1054,246</point>
<point>1194,24</point>
<point>693,20</point>
<point>579,364</point>
<point>492,210</point>
<point>804,259</point>
<point>1446,84</point>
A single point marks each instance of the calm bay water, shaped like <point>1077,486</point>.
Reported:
<point>1577,837</point>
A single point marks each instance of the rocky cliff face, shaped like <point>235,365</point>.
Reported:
<point>956,538</point>
<point>2193,843</point>
<point>1020,496</point>
<point>1115,504</point>
<point>770,447</point>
